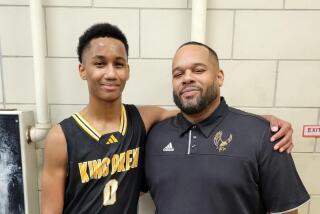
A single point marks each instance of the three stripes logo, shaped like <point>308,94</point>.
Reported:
<point>112,139</point>
<point>168,148</point>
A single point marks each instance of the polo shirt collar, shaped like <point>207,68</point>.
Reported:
<point>207,125</point>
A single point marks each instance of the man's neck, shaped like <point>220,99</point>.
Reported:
<point>196,118</point>
<point>98,110</point>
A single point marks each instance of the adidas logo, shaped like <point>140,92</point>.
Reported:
<point>112,139</point>
<point>168,148</point>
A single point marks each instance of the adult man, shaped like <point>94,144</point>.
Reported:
<point>91,160</point>
<point>212,158</point>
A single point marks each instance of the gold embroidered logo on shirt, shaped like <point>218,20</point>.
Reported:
<point>221,144</point>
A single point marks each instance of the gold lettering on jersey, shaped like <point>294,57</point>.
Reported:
<point>128,159</point>
<point>122,161</point>
<point>221,144</point>
<point>105,166</point>
<point>90,169</point>
<point>83,172</point>
<point>135,154</point>
<point>115,163</point>
<point>99,168</point>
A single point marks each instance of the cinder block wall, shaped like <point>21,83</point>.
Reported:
<point>269,50</point>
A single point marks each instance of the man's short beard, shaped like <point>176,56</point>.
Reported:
<point>202,101</point>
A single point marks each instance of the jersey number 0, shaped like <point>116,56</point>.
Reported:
<point>110,192</point>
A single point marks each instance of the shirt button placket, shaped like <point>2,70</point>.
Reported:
<point>193,140</point>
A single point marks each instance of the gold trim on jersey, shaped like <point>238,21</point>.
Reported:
<point>123,121</point>
<point>85,125</point>
<point>88,128</point>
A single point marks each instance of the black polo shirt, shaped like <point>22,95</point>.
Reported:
<point>225,164</point>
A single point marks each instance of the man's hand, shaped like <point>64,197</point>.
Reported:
<point>284,134</point>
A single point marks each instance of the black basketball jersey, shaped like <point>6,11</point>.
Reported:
<point>104,171</point>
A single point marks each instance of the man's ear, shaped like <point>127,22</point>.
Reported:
<point>220,77</point>
<point>82,72</point>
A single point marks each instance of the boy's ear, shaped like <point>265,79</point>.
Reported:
<point>82,72</point>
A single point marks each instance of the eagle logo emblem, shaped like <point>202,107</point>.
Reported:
<point>221,144</point>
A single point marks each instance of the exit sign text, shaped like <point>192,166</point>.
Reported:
<point>311,131</point>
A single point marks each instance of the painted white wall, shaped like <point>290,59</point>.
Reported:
<point>269,51</point>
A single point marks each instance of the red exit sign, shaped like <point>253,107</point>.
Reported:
<point>311,131</point>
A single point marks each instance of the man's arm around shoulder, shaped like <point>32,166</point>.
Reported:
<point>154,114</point>
<point>54,172</point>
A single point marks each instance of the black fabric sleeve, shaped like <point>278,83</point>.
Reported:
<point>280,185</point>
